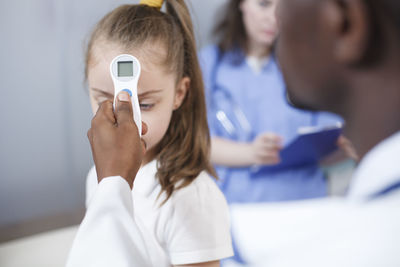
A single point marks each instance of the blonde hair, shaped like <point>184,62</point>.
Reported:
<point>184,150</point>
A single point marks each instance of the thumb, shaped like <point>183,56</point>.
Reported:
<point>124,112</point>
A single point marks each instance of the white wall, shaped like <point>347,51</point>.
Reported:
<point>44,109</point>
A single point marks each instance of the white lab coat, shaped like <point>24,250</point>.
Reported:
<point>108,236</point>
<point>348,232</point>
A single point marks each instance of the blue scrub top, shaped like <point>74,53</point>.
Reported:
<point>262,98</point>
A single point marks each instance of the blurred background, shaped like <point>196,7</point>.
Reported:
<point>44,117</point>
<point>45,111</point>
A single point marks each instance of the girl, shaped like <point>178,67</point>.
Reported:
<point>175,214</point>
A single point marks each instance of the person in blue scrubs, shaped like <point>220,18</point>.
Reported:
<point>249,116</point>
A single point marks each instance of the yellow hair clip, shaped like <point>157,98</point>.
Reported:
<point>153,3</point>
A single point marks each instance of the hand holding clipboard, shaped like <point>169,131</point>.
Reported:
<point>309,147</point>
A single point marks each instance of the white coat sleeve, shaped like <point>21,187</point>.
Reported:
<point>109,235</point>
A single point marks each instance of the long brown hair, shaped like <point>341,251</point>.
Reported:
<point>184,150</point>
<point>230,31</point>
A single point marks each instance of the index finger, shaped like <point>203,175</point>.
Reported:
<point>105,110</point>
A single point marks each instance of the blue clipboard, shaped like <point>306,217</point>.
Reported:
<point>308,148</point>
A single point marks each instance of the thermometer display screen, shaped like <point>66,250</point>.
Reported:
<point>125,68</point>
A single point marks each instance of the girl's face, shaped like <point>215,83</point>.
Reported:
<point>159,93</point>
<point>259,20</point>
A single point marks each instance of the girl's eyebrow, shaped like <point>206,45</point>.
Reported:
<point>149,93</point>
<point>140,95</point>
<point>102,92</point>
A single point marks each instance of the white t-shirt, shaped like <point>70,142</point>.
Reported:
<point>191,227</point>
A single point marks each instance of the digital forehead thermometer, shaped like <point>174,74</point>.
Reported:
<point>125,72</point>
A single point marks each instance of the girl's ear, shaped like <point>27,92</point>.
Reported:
<point>181,91</point>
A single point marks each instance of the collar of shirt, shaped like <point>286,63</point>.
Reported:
<point>378,170</point>
<point>238,58</point>
<point>257,64</point>
<point>146,181</point>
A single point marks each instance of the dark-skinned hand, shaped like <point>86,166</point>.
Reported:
<point>116,145</point>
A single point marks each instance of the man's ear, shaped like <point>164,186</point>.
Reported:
<point>181,91</point>
<point>348,21</point>
<point>241,6</point>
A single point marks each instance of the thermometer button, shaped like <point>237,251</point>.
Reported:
<point>128,91</point>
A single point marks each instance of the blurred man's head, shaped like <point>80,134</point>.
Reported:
<point>332,50</point>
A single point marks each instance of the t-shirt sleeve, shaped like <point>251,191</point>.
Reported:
<point>198,229</point>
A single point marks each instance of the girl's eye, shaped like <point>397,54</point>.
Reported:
<point>146,106</point>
